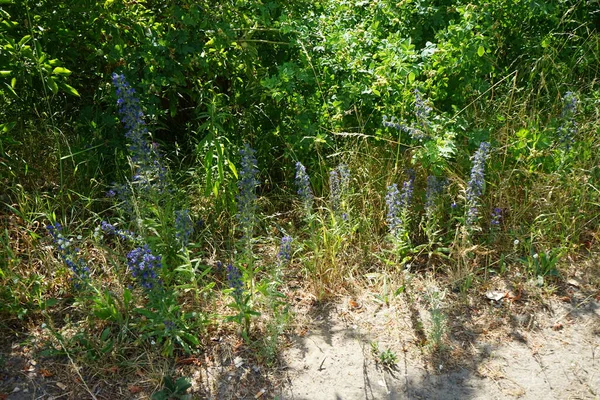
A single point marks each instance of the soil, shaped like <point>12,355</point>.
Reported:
<point>555,356</point>
<point>510,346</point>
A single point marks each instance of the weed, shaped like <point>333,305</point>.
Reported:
<point>173,389</point>
<point>387,358</point>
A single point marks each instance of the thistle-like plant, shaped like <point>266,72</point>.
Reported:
<point>303,187</point>
<point>435,186</point>
<point>339,185</point>
<point>568,128</point>
<point>398,212</point>
<point>476,185</point>
<point>145,267</point>
<point>242,300</point>
<point>148,171</point>
<point>70,255</point>
<point>246,198</point>
<point>285,250</point>
<point>184,227</point>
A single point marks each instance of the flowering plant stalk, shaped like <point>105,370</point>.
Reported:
<point>476,186</point>
<point>398,214</point>
<point>242,300</point>
<point>70,255</point>
<point>303,189</point>
<point>435,185</point>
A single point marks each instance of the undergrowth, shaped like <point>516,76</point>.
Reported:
<point>415,163</point>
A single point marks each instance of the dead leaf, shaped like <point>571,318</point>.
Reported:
<point>114,369</point>
<point>61,385</point>
<point>45,373</point>
<point>513,297</point>
<point>238,362</point>
<point>260,393</point>
<point>135,389</point>
<point>557,326</point>
<point>495,295</point>
<point>3,396</point>
<point>574,282</point>
<point>188,361</point>
<point>354,305</point>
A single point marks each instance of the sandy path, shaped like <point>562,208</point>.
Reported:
<point>334,360</point>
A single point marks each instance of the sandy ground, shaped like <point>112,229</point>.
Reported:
<point>554,355</point>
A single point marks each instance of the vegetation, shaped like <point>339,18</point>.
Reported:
<point>168,168</point>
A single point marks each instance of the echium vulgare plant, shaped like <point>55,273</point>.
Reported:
<point>339,184</point>
<point>149,173</point>
<point>70,255</point>
<point>568,129</point>
<point>476,185</point>
<point>285,250</point>
<point>435,186</point>
<point>184,227</point>
<point>416,131</point>
<point>145,267</point>
<point>304,191</point>
<point>123,234</point>
<point>242,302</point>
<point>398,215</point>
<point>246,198</point>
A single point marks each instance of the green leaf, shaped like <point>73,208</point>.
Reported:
<point>24,40</point>
<point>411,77</point>
<point>232,168</point>
<point>105,334</point>
<point>61,71</point>
<point>127,297</point>
<point>4,73</point>
<point>69,89</point>
<point>52,84</point>
<point>481,51</point>
<point>10,90</point>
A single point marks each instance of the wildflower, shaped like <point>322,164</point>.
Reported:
<point>184,227</point>
<point>398,204</point>
<point>303,185</point>
<point>392,200</point>
<point>391,123</point>
<point>69,254</point>
<point>246,198</point>
<point>285,250</point>
<point>476,184</point>
<point>144,267</point>
<point>414,133</point>
<point>407,192</point>
<point>496,216</point>
<point>339,182</point>
<point>435,186</point>
<point>234,278</point>
<point>422,109</point>
<point>568,129</point>
<point>145,155</point>
<point>122,234</point>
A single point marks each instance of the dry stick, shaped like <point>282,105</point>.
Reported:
<point>575,308</point>
<point>484,93</point>
<point>76,369</point>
